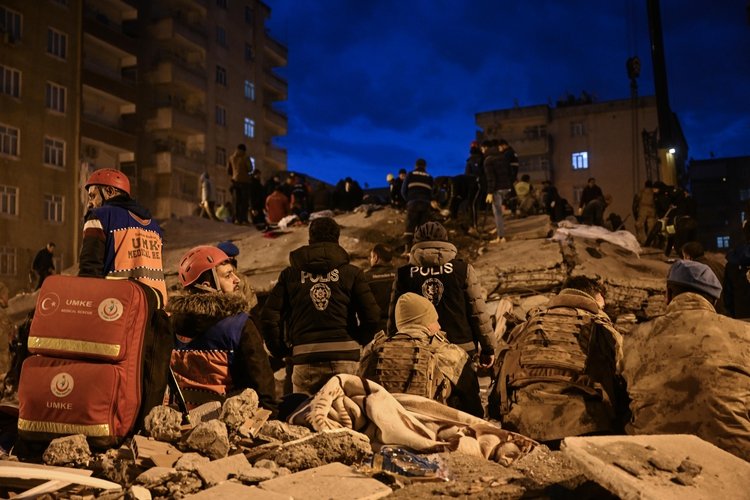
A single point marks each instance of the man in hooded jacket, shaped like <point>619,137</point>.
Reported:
<point>325,307</point>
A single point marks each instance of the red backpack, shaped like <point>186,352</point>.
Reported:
<point>99,359</point>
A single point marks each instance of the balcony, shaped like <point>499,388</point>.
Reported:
<point>276,156</point>
<point>190,161</point>
<point>100,26</point>
<point>276,121</point>
<point>172,68</point>
<point>531,145</point>
<point>275,51</point>
<point>106,82</point>
<point>275,84</point>
<point>173,116</point>
<point>176,27</point>
<point>118,137</point>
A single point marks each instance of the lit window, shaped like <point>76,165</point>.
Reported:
<point>8,261</point>
<point>57,43</point>
<point>9,140</point>
<point>8,200</point>
<point>580,160</point>
<point>249,90</point>
<point>10,81</point>
<point>10,23</point>
<point>54,205</point>
<point>248,14</point>
<point>577,129</point>
<point>221,75</point>
<point>221,116</point>
<point>248,52</point>
<point>722,242</point>
<point>221,36</point>
<point>54,152</point>
<point>221,156</point>
<point>249,128</point>
<point>55,97</point>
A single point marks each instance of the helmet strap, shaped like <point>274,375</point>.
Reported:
<point>207,288</point>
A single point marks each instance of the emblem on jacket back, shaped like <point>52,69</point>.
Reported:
<point>320,293</point>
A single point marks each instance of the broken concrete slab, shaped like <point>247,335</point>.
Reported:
<point>251,427</point>
<point>68,450</point>
<point>155,475</point>
<point>164,424</point>
<point>191,461</point>
<point>237,409</point>
<point>340,445</point>
<point>205,412</point>
<point>219,470</point>
<point>281,431</point>
<point>333,481</point>
<point>660,467</point>
<point>157,452</point>
<point>210,438</point>
<point>231,490</point>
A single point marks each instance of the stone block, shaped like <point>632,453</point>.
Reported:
<point>235,491</point>
<point>164,424</point>
<point>219,470</point>
<point>68,450</point>
<point>332,481</point>
<point>210,438</point>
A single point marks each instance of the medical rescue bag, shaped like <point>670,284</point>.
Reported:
<point>98,360</point>
<point>402,363</point>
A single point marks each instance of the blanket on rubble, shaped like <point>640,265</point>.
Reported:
<point>413,422</point>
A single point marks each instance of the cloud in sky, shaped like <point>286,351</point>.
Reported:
<point>375,85</point>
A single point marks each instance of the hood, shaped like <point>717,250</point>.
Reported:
<point>192,314</point>
<point>129,204</point>
<point>739,256</point>
<point>319,258</point>
<point>570,297</point>
<point>432,253</point>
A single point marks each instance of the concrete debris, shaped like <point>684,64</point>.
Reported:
<point>210,438</point>
<point>237,409</point>
<point>234,491</point>
<point>341,445</point>
<point>205,412</point>
<point>332,481</point>
<point>276,430</point>
<point>158,453</point>
<point>118,466</point>
<point>156,475</point>
<point>69,450</point>
<point>220,470</point>
<point>164,424</point>
<point>251,427</point>
<point>191,461</point>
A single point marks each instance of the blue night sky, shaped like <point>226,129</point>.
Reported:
<point>375,84</point>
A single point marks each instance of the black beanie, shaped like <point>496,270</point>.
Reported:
<point>324,229</point>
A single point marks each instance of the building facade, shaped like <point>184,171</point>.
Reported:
<point>160,89</point>
<point>579,139</point>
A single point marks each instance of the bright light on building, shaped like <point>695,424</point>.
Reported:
<point>672,151</point>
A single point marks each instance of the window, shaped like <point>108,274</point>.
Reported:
<point>221,156</point>
<point>8,261</point>
<point>221,75</point>
<point>53,207</point>
<point>221,3</point>
<point>722,242</point>
<point>249,128</point>
<point>221,36</point>
<point>577,129</point>
<point>10,23</point>
<point>249,90</point>
<point>248,52</point>
<point>249,18</point>
<point>10,81</point>
<point>9,140</point>
<point>55,97</point>
<point>57,43</point>
<point>580,161</point>
<point>221,116</point>
<point>535,132</point>
<point>8,200</point>
<point>54,152</point>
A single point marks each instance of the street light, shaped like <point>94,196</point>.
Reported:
<point>672,151</point>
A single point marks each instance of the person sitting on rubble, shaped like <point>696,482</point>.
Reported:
<point>218,350</point>
<point>419,360</point>
<point>246,289</point>
<point>557,376</point>
<point>687,370</point>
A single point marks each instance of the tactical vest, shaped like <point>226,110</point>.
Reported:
<point>553,346</point>
<point>444,287</point>
<point>406,364</point>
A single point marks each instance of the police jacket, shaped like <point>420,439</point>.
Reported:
<point>323,303</point>
<point>218,350</point>
<point>453,287</point>
<point>417,187</point>
<point>121,240</point>
<point>381,277</point>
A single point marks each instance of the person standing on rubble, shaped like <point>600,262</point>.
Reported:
<point>239,168</point>
<point>557,376</point>
<point>687,371</point>
<point>218,350</point>
<point>120,239</point>
<point>501,169</point>
<point>321,310</point>
<point>44,263</point>
<point>417,191</point>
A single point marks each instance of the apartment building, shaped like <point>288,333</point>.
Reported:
<point>160,89</point>
<point>578,139</point>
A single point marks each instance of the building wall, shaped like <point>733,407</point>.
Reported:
<point>545,139</point>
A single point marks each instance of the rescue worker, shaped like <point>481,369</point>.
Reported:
<point>218,350</point>
<point>557,375</point>
<point>380,275</point>
<point>326,308</point>
<point>246,289</point>
<point>687,371</point>
<point>416,190</point>
<point>120,239</point>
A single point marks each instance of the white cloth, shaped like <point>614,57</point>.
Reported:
<point>624,239</point>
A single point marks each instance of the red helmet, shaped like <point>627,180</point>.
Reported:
<point>197,261</point>
<point>109,177</point>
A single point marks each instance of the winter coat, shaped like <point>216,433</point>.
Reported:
<point>590,193</point>
<point>44,263</point>
<point>501,169</point>
<point>325,305</point>
<point>381,277</point>
<point>453,287</point>
<point>121,240</point>
<point>737,282</point>
<point>277,207</point>
<point>239,167</point>
<point>417,187</point>
<point>218,350</point>
<point>687,373</point>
